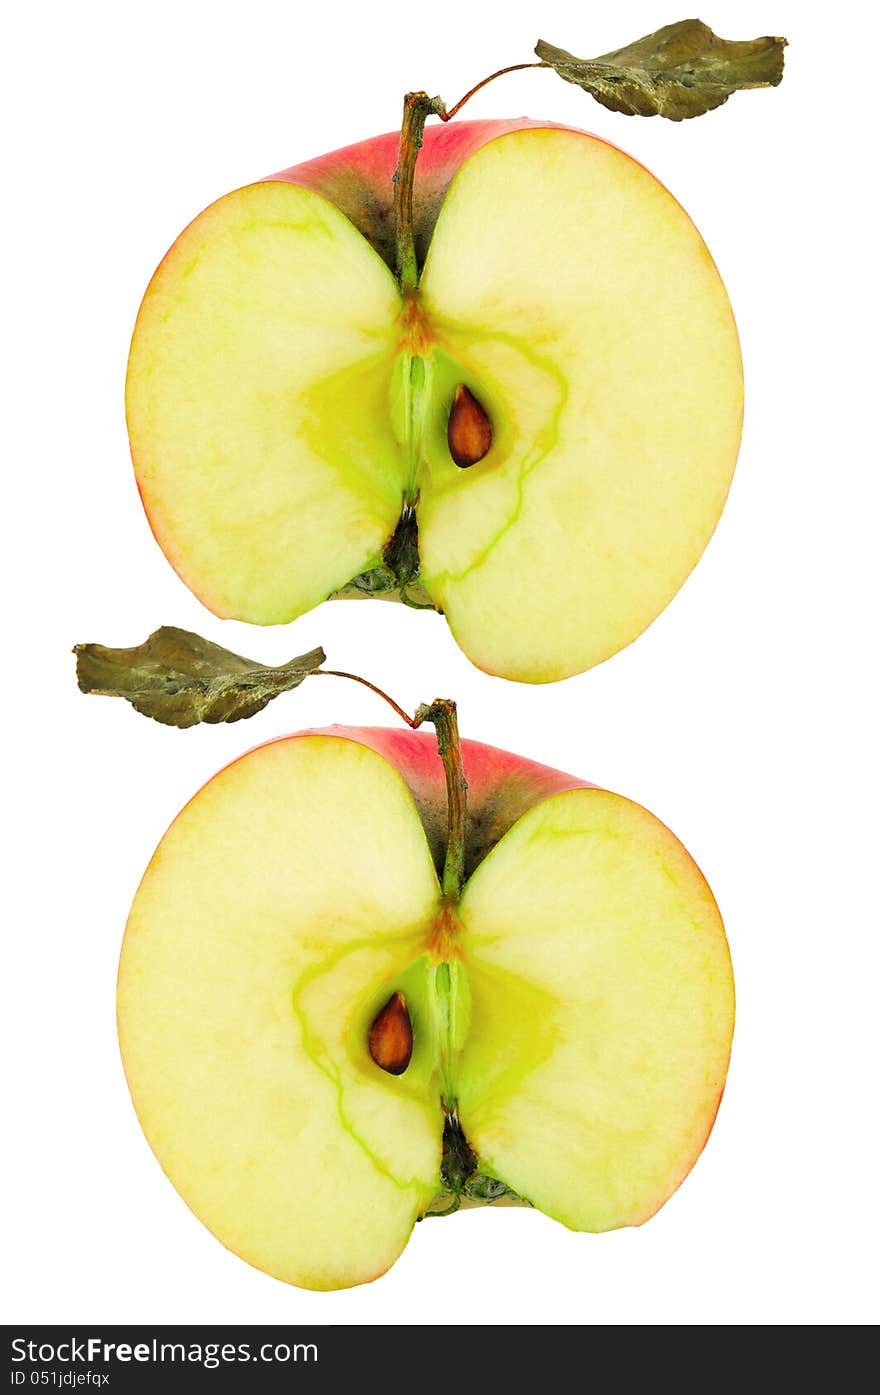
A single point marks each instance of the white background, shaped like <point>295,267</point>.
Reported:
<point>744,717</point>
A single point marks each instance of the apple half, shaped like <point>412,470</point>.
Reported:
<point>321,1049</point>
<point>293,416</point>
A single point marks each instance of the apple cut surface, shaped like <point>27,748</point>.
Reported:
<point>291,411</point>
<point>593,325</point>
<point>257,403</point>
<point>322,1049</point>
<point>596,953</point>
<point>257,951</point>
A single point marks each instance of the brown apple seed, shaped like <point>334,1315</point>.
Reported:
<point>391,1039</point>
<point>469,432</point>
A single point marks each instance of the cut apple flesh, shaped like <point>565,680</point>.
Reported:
<point>570,1017</point>
<point>258,404</point>
<point>597,956</point>
<point>594,324</point>
<point>278,905</point>
<point>287,407</point>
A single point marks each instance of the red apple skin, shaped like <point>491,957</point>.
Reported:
<point>358,178</point>
<point>501,786</point>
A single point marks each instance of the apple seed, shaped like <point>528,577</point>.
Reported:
<point>470,431</point>
<point>391,1038</point>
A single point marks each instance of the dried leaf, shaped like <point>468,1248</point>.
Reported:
<point>680,71</point>
<point>180,679</point>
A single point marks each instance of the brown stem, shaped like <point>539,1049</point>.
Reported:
<point>442,712</point>
<point>514,68</point>
<point>355,678</point>
<point>417,107</point>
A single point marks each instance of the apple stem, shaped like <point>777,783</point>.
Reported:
<point>514,68</point>
<point>355,678</point>
<point>442,713</point>
<point>417,107</point>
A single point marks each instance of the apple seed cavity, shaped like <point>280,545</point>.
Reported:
<point>469,432</point>
<point>391,1039</point>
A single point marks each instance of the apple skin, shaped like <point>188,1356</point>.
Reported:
<point>359,178</point>
<point>501,786</point>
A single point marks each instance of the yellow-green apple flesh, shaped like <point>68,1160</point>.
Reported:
<point>288,407</point>
<point>569,1015</point>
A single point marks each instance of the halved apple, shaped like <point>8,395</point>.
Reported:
<point>293,416</point>
<point>322,1049</point>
